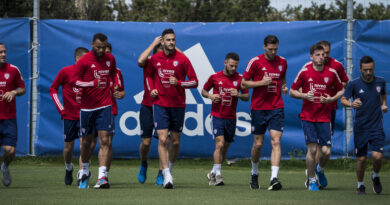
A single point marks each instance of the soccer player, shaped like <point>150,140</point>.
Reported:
<point>166,80</point>
<point>266,74</point>
<point>226,85</point>
<point>69,111</point>
<point>95,72</point>
<point>314,84</point>
<point>146,115</point>
<point>11,85</point>
<point>368,98</point>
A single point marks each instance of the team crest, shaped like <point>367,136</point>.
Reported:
<point>6,76</point>
<point>326,79</point>
<point>175,63</point>
<point>108,63</point>
<point>378,88</point>
<point>235,83</point>
<point>280,67</point>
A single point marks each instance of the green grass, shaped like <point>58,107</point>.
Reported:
<point>40,181</point>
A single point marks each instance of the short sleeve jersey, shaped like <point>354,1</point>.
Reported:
<point>320,83</point>
<point>369,116</point>
<point>90,68</point>
<point>266,97</point>
<point>335,64</point>
<point>161,68</point>
<point>10,79</point>
<point>222,85</point>
<point>71,95</point>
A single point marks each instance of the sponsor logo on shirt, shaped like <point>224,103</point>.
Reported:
<point>274,75</point>
<point>175,63</point>
<point>319,86</point>
<point>361,91</point>
<point>6,76</point>
<point>3,83</point>
<point>378,88</point>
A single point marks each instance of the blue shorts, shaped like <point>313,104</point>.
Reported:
<point>224,127</point>
<point>317,132</point>
<point>146,121</point>
<point>263,119</point>
<point>97,120</point>
<point>8,132</point>
<point>171,118</point>
<point>376,140</point>
<point>71,130</point>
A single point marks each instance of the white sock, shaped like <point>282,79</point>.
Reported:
<point>312,179</point>
<point>274,172</point>
<point>102,171</point>
<point>68,166</point>
<point>170,164</point>
<point>166,172</point>
<point>319,168</point>
<point>360,183</point>
<point>255,168</point>
<point>374,174</point>
<point>106,174</point>
<point>217,169</point>
<point>85,169</point>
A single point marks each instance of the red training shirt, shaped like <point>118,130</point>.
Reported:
<point>10,79</point>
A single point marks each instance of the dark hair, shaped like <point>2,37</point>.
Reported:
<point>271,39</point>
<point>233,56</point>
<point>167,31</point>
<point>109,46</point>
<point>324,43</point>
<point>315,47</point>
<point>79,51</point>
<point>365,60</point>
<point>99,36</point>
<point>159,46</point>
<point>1,43</point>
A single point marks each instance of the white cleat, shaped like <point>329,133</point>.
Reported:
<point>168,182</point>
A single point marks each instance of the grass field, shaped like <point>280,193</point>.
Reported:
<point>40,181</point>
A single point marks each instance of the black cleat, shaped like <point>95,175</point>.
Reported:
<point>68,177</point>
<point>361,190</point>
<point>377,186</point>
<point>275,185</point>
<point>254,184</point>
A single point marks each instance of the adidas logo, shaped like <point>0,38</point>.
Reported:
<point>263,69</point>
<point>361,91</point>
<point>93,66</point>
<point>220,83</point>
<point>203,70</point>
<point>310,80</point>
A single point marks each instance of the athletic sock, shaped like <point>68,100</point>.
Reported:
<point>106,174</point>
<point>319,168</point>
<point>68,166</point>
<point>312,179</point>
<point>255,168</point>
<point>85,169</point>
<point>217,169</point>
<point>374,174</point>
<point>102,171</point>
<point>170,164</point>
<point>165,172</point>
<point>3,166</point>
<point>144,163</point>
<point>360,183</point>
<point>274,172</point>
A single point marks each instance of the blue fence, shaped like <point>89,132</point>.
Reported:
<point>206,45</point>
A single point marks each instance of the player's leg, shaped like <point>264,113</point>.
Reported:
<point>8,139</point>
<point>176,117</point>
<point>311,138</point>
<point>144,148</point>
<point>174,149</point>
<point>8,157</point>
<point>71,132</point>
<point>276,154</point>
<point>323,130</point>
<point>218,157</point>
<point>377,141</point>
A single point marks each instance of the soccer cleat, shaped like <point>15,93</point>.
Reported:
<point>159,179</point>
<point>168,183</point>
<point>321,177</point>
<point>102,183</point>
<point>361,190</point>
<point>275,185</point>
<point>211,178</point>
<point>84,182</point>
<point>68,177</point>
<point>219,180</point>
<point>142,174</point>
<point>6,175</point>
<point>254,184</point>
<point>79,179</point>
<point>377,186</point>
<point>313,186</point>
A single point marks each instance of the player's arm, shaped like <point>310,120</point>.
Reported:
<point>144,55</point>
<point>215,98</point>
<point>243,96</point>
<point>119,89</point>
<point>384,101</point>
<point>300,95</point>
<point>79,71</point>
<point>192,79</point>
<point>149,75</point>
<point>54,93</point>
<point>247,84</point>
<point>328,99</point>
<point>10,95</point>
<point>284,85</point>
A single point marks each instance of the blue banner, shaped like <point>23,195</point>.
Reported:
<point>206,45</point>
<point>15,35</point>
